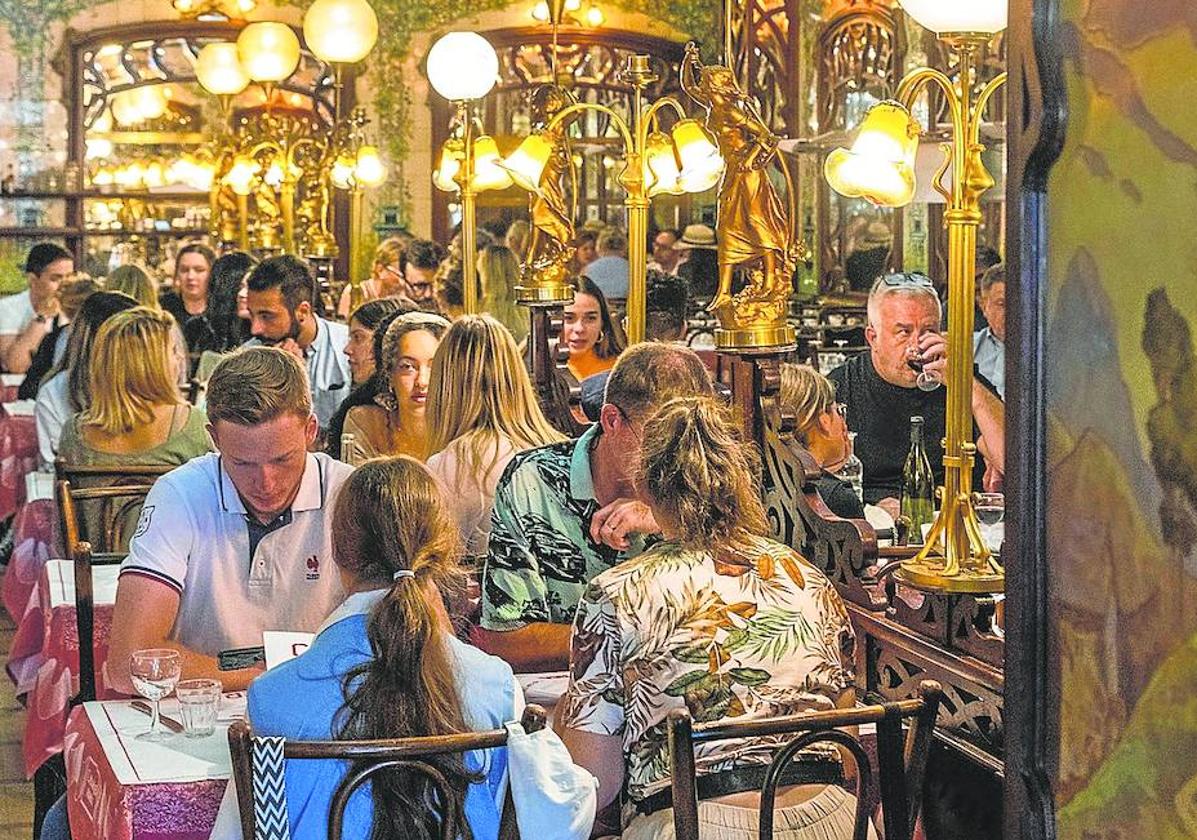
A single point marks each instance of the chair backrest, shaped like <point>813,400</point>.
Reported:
<point>258,773</point>
<point>96,503</point>
<point>83,559</point>
<point>901,763</point>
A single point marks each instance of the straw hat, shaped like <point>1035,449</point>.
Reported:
<point>696,236</point>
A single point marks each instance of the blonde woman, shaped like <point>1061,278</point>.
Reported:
<point>386,275</point>
<point>499,269</point>
<point>717,585</point>
<point>136,415</point>
<point>396,423</point>
<point>821,426</point>
<point>482,410</point>
<point>134,282</point>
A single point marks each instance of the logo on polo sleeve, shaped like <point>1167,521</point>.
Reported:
<point>143,521</point>
<point>313,565</point>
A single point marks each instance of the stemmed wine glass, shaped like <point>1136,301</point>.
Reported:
<point>915,361</point>
<point>155,673</point>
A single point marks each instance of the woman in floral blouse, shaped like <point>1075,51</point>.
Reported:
<point>716,618</point>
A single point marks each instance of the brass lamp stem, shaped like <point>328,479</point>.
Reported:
<point>465,183</point>
<point>355,222</point>
<point>954,556</point>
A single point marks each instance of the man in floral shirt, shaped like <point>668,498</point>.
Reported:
<point>565,512</point>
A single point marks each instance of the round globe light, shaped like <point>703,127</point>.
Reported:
<point>952,17</point>
<point>268,51</point>
<point>219,69</point>
<point>369,171</point>
<point>340,31</point>
<point>462,66</point>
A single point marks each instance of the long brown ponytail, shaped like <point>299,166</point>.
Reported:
<point>389,518</point>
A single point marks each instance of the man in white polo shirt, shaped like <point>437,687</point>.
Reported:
<point>234,542</point>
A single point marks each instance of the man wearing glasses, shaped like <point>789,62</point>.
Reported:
<point>882,390</point>
<point>421,259</point>
<point>563,513</point>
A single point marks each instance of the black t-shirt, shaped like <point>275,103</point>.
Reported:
<point>197,329</point>
<point>839,497</point>
<point>879,412</point>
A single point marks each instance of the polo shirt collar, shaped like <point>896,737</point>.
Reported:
<point>309,497</point>
<point>359,603</point>
<point>581,479</point>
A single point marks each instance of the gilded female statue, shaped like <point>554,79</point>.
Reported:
<point>552,222</point>
<point>753,225</point>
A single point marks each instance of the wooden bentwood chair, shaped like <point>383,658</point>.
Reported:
<point>261,791</point>
<point>901,762</point>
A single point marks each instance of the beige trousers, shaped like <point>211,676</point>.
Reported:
<point>828,815</point>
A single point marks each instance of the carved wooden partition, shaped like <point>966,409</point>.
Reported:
<point>903,635</point>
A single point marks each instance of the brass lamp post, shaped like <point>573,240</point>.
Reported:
<point>880,167</point>
<point>685,160</point>
<point>463,67</point>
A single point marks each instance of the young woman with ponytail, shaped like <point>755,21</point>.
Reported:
<point>386,665</point>
<point>719,619</point>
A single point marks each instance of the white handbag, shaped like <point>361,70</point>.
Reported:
<point>554,798</point>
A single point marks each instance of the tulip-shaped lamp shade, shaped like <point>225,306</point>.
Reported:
<point>219,69</point>
<point>369,170</point>
<point>462,66</point>
<point>702,165</point>
<point>340,31</point>
<point>269,51</point>
<point>241,175</point>
<point>526,164</point>
<point>342,171</point>
<point>661,170</point>
<point>488,175</point>
<point>880,164</point>
<point>445,174</point>
<point>952,17</point>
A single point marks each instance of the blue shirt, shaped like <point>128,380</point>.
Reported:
<point>989,357</point>
<point>610,274</point>
<point>300,698</point>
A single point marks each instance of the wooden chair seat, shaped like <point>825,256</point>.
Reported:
<point>901,761</point>
<point>369,757</point>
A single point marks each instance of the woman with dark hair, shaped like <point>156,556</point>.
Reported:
<point>588,331</point>
<point>67,389</point>
<point>771,631</point>
<point>189,299</point>
<point>385,664</point>
<point>229,328</point>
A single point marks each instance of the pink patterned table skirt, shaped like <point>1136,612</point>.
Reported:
<point>35,540</point>
<point>18,456</point>
<point>56,678</point>
<point>102,808</point>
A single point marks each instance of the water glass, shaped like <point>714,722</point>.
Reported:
<point>155,672</point>
<point>991,513</point>
<point>199,703</point>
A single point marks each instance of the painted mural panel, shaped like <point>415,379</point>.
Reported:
<point>1122,404</point>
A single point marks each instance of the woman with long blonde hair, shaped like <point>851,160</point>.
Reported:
<point>482,411</point>
<point>499,268</point>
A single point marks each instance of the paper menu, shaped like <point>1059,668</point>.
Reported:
<point>282,645</point>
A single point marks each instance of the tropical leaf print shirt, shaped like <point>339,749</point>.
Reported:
<point>540,556</point>
<point>734,640</point>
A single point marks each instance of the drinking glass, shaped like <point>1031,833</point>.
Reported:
<point>155,673</point>
<point>199,702</point>
<point>991,512</point>
<point>915,361</point>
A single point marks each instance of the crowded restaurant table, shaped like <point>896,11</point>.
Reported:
<point>34,543</point>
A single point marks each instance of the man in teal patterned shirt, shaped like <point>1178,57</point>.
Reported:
<point>566,512</point>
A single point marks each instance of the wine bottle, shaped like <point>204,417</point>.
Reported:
<point>918,483</point>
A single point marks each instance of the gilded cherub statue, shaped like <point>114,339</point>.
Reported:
<point>754,228</point>
<point>550,248</point>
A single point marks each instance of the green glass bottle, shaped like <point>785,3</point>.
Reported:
<point>918,483</point>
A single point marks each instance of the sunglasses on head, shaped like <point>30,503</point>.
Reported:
<point>908,278</point>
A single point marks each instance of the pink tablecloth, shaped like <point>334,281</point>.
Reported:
<point>18,456</point>
<point>55,680</point>
<point>117,792</point>
<point>35,541</point>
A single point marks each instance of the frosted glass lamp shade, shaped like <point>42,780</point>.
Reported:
<point>880,165</point>
<point>340,31</point>
<point>462,66</point>
<point>947,17</point>
<point>219,69</point>
<point>269,51</point>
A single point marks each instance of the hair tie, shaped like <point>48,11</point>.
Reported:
<point>404,573</point>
